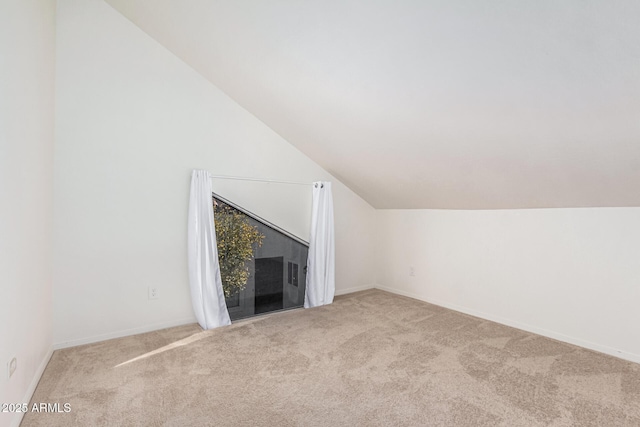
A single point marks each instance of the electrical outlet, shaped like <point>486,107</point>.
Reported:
<point>412,271</point>
<point>153,292</point>
<point>11,367</point>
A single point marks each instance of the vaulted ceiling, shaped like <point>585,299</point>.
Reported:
<point>456,104</point>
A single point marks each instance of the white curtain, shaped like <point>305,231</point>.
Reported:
<point>321,282</point>
<point>207,295</point>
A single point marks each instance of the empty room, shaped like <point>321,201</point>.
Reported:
<point>319,213</point>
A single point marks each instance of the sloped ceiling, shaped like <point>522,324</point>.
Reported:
<point>432,104</point>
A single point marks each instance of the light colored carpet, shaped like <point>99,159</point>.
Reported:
<point>370,359</point>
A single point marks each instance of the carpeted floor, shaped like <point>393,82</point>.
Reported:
<point>370,359</point>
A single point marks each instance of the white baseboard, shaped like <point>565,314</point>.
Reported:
<point>354,289</point>
<point>164,325</point>
<point>525,327</point>
<point>17,419</point>
<point>123,333</point>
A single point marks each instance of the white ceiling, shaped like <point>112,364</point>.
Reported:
<point>458,104</point>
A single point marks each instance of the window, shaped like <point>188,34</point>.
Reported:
<point>262,267</point>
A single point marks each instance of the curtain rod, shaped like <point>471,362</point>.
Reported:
<point>239,178</point>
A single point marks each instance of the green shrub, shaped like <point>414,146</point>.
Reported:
<point>236,239</point>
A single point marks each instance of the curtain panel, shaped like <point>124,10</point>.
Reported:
<point>207,295</point>
<point>321,282</point>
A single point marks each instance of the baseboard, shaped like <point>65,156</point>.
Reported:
<point>157,326</point>
<point>17,419</point>
<point>354,289</point>
<point>123,333</point>
<point>631,357</point>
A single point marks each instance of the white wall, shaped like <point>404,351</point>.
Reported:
<point>132,121</point>
<point>571,274</point>
<point>27,48</point>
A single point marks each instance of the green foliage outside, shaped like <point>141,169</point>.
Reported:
<point>236,239</point>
